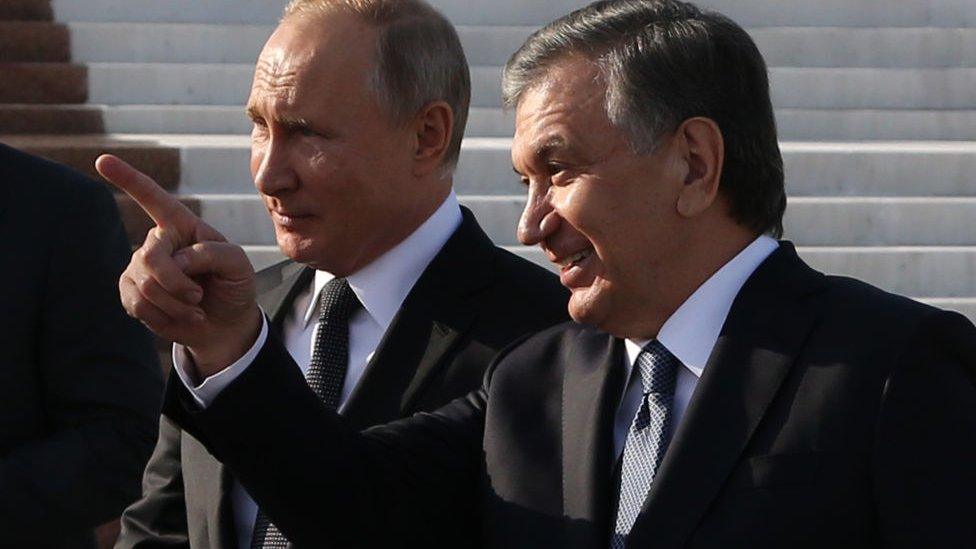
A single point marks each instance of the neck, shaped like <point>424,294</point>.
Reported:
<point>697,260</point>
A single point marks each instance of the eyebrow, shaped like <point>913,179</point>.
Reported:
<point>290,122</point>
<point>545,150</point>
<point>551,144</point>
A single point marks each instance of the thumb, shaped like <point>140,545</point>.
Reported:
<point>222,259</point>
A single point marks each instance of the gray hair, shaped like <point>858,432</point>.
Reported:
<point>419,58</point>
<point>665,61</point>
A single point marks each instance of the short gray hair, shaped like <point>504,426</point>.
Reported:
<point>665,61</point>
<point>419,58</point>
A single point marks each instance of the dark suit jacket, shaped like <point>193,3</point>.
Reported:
<point>830,414</point>
<point>471,301</point>
<point>80,384</point>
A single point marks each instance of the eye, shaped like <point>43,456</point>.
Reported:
<point>305,131</point>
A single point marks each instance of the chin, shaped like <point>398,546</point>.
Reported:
<point>584,308</point>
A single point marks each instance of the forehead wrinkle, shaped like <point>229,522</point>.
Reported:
<point>278,74</point>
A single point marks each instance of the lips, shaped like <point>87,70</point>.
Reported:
<point>575,259</point>
<point>287,219</point>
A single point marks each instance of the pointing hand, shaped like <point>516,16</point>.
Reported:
<point>186,282</point>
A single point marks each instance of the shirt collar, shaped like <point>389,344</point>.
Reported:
<point>691,332</point>
<point>384,284</point>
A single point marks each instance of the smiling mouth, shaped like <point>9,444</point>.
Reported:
<point>575,259</point>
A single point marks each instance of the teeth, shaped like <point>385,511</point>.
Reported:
<point>575,258</point>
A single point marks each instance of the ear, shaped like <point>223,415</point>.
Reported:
<point>703,150</point>
<point>433,127</point>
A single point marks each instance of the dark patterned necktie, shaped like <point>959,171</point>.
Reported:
<point>326,376</point>
<point>648,437</point>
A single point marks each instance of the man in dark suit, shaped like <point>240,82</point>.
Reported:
<point>363,195</point>
<point>715,392</point>
<point>80,383</point>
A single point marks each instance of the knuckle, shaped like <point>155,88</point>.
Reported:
<point>141,309</point>
<point>146,285</point>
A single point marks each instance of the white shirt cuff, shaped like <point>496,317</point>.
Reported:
<point>206,392</point>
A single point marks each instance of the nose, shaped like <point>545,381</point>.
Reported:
<point>271,168</point>
<point>539,219</point>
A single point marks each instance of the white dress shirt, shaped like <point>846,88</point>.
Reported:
<point>690,334</point>
<point>381,287</point>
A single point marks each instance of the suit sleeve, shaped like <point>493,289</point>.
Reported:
<point>925,452</point>
<point>99,380</point>
<point>321,482</point>
<point>158,520</point>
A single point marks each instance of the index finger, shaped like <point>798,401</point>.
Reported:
<point>164,209</point>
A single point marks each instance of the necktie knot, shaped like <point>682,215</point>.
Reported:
<point>658,369</point>
<point>338,301</point>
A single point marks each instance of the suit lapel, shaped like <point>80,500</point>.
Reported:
<point>277,288</point>
<point>591,390</point>
<point>434,317</point>
<point>207,485</point>
<point>766,328</point>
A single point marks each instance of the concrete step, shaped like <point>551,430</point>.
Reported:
<point>859,88</point>
<point>824,221</point>
<point>170,11</point>
<point>26,10</point>
<point>873,221</point>
<point>218,164</point>
<point>927,47</point>
<point>808,124</point>
<point>167,42</point>
<point>847,13</point>
<point>794,124</point>
<point>33,41</point>
<point>43,83</point>
<point>854,125</point>
<point>804,88</point>
<point>812,169</point>
<point>80,152</point>
<point>946,277</point>
<point>50,119</point>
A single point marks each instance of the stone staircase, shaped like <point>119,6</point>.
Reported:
<point>875,100</point>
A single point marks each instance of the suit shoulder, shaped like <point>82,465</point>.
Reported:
<point>549,351</point>
<point>530,281</point>
<point>26,171</point>
<point>886,326</point>
<point>564,337</point>
<point>857,300</point>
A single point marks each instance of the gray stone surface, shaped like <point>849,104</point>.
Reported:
<point>845,13</point>
<point>925,47</point>
<point>794,124</point>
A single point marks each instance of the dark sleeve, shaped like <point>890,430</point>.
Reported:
<point>321,482</point>
<point>925,453</point>
<point>159,518</point>
<point>99,378</point>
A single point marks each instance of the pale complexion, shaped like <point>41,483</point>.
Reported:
<point>634,234</point>
<point>342,181</point>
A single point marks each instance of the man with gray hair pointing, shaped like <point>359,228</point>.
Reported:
<point>393,301</point>
<point>715,391</point>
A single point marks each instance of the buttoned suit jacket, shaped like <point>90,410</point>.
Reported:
<point>830,414</point>
<point>470,302</point>
<point>80,383</point>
